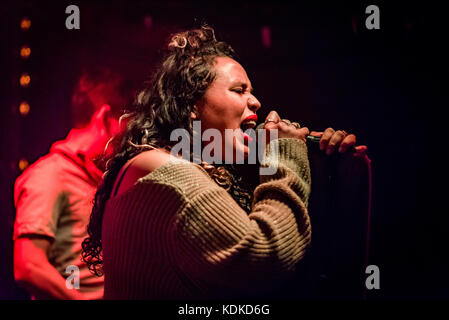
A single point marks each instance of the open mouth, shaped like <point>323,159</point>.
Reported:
<point>248,125</point>
<point>250,122</point>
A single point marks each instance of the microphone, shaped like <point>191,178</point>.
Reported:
<point>313,139</point>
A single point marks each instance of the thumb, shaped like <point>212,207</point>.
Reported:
<point>303,133</point>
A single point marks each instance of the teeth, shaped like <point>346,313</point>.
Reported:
<point>248,124</point>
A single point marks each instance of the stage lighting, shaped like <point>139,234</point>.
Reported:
<point>25,80</point>
<point>25,52</point>
<point>24,108</point>
<point>25,24</point>
<point>23,164</point>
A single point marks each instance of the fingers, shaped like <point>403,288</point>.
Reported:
<point>331,140</point>
<point>326,137</point>
<point>272,120</point>
<point>347,142</point>
<point>273,116</point>
<point>286,128</point>
<point>335,141</point>
<point>316,133</point>
<point>303,132</point>
<point>293,131</point>
<point>361,150</point>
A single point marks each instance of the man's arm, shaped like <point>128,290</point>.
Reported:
<point>33,271</point>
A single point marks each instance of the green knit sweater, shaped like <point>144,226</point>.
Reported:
<point>176,234</point>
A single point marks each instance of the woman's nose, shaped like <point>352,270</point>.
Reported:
<point>253,104</point>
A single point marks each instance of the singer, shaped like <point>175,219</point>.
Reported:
<point>173,229</point>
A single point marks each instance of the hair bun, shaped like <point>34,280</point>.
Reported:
<point>178,41</point>
<point>192,39</point>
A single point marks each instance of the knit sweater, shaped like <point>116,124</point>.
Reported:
<point>176,234</point>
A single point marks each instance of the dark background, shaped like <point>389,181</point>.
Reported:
<point>324,68</point>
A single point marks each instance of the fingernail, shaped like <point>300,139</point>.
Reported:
<point>340,150</point>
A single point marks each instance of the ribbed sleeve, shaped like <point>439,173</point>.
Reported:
<point>207,245</point>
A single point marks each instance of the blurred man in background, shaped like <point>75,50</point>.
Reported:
<point>53,197</point>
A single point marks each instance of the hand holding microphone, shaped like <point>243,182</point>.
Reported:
<point>286,129</point>
<point>329,141</point>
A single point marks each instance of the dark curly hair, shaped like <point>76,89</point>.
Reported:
<point>165,104</point>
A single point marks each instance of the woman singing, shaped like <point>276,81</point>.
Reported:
<point>167,228</point>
